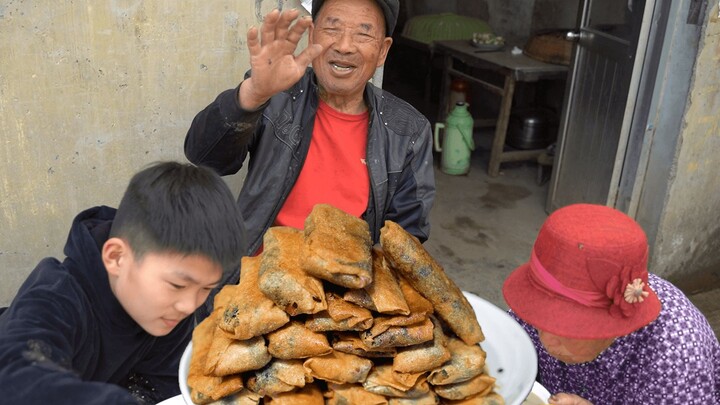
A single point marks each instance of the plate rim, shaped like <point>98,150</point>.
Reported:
<point>542,392</point>
<point>522,334</point>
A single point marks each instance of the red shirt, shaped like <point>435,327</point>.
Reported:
<point>335,171</point>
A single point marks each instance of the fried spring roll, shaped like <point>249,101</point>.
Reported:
<point>282,278</point>
<point>398,336</point>
<point>340,316</point>
<point>205,389</point>
<point>479,386</point>
<point>345,394</point>
<point>279,376</point>
<point>466,362</point>
<point>360,297</point>
<point>423,357</point>
<point>492,398</point>
<point>229,356</point>
<point>407,255</point>
<point>385,291</point>
<point>247,311</point>
<point>428,399</point>
<point>338,367</point>
<point>309,395</point>
<point>351,343</point>
<point>383,381</point>
<point>295,341</point>
<point>337,247</point>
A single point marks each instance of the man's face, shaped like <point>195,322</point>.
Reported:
<point>162,289</point>
<point>352,35</point>
<point>573,351</point>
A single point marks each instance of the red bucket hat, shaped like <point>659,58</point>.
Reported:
<point>587,276</point>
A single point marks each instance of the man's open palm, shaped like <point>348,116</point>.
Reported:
<point>273,62</point>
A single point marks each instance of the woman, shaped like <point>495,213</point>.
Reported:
<point>605,330</point>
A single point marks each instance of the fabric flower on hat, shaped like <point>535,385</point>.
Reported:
<point>615,290</point>
<point>624,285</point>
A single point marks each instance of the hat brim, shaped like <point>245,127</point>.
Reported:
<point>563,317</point>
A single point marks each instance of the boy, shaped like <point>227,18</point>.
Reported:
<point>109,324</point>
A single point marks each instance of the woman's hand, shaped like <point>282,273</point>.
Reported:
<point>568,399</point>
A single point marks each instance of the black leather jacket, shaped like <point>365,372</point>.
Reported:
<point>277,138</point>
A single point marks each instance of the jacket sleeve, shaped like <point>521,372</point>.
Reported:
<point>415,193</point>
<point>219,135</point>
<point>38,334</point>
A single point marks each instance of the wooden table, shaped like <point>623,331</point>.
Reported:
<point>514,68</point>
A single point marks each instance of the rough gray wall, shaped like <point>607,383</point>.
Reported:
<point>91,91</point>
<point>688,236</point>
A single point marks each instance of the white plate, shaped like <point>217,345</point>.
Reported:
<point>176,400</point>
<point>538,396</point>
<point>511,356</point>
<point>183,373</point>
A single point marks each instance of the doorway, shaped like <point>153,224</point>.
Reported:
<point>599,102</point>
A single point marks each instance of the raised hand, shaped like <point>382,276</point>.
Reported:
<point>568,399</point>
<point>273,62</point>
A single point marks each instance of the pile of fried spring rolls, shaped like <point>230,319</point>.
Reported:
<point>323,317</point>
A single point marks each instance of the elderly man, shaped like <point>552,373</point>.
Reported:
<point>322,134</point>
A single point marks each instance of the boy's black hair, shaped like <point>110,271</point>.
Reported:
<point>172,207</point>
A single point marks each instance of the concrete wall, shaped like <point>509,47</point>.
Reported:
<point>688,236</point>
<point>90,92</point>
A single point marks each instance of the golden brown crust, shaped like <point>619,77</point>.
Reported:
<point>360,297</point>
<point>398,336</point>
<point>337,247</point>
<point>466,362</point>
<point>340,316</point>
<point>383,381</point>
<point>338,367</point>
<point>428,399</point>
<point>493,398</point>
<point>392,320</point>
<point>282,278</point>
<point>204,388</point>
<point>407,255</point>
<point>279,376</point>
<point>247,311</point>
<point>351,343</point>
<point>230,356</point>
<point>295,341</point>
<point>479,386</point>
<point>385,291</point>
<point>423,357</point>
<point>345,394</point>
<point>309,395</point>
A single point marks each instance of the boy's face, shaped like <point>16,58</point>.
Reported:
<point>162,289</point>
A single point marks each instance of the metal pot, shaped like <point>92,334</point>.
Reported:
<point>528,129</point>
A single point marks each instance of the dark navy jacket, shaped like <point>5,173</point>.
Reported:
<point>65,339</point>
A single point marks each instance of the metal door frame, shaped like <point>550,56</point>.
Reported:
<point>629,112</point>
